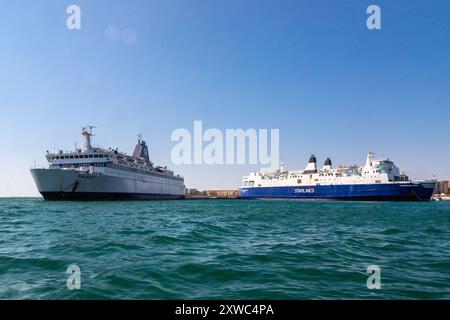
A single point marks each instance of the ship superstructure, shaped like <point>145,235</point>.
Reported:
<point>375,180</point>
<point>92,173</point>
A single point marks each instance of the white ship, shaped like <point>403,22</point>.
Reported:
<point>377,180</point>
<point>93,173</point>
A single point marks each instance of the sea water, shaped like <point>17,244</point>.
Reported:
<point>224,249</point>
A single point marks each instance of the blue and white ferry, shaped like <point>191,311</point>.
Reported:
<point>377,180</point>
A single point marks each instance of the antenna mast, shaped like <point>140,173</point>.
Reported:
<point>87,133</point>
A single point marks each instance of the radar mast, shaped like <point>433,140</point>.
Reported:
<point>87,132</point>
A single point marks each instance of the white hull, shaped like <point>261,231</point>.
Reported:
<point>73,184</point>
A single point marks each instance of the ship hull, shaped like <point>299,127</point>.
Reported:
<point>359,192</point>
<point>106,196</point>
<point>71,185</point>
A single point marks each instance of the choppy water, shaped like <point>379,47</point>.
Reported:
<point>231,249</point>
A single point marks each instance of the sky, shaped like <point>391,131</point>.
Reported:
<point>311,68</point>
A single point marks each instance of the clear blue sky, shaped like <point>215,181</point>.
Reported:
<point>310,68</point>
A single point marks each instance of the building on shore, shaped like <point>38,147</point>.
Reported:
<point>195,192</point>
<point>442,187</point>
<point>212,194</point>
<point>222,194</point>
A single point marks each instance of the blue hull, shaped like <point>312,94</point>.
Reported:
<point>355,192</point>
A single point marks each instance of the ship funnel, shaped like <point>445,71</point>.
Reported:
<point>327,165</point>
<point>369,159</point>
<point>312,165</point>
<point>87,133</point>
<point>141,150</point>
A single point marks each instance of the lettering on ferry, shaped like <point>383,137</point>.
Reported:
<point>305,190</point>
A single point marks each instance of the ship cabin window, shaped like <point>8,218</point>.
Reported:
<point>91,156</point>
<point>71,157</point>
<point>251,183</point>
<point>299,181</point>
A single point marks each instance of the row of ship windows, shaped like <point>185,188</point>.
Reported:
<point>81,156</point>
<point>310,176</point>
<point>69,165</point>
<point>109,165</point>
<point>332,175</point>
<point>156,179</point>
<point>321,175</point>
<point>121,173</point>
<point>124,168</point>
<point>100,164</point>
<point>299,181</point>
